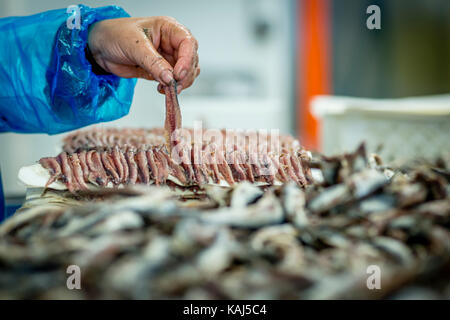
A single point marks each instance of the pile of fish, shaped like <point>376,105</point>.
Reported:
<point>362,230</point>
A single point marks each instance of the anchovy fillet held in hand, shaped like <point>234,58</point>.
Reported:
<point>173,114</point>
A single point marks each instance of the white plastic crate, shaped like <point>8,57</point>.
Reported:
<point>405,128</point>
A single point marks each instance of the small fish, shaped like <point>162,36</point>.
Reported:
<point>238,241</point>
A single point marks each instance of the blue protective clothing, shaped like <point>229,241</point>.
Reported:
<point>47,83</point>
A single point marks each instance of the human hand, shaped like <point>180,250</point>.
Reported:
<point>153,48</point>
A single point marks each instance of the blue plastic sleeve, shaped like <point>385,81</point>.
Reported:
<point>48,85</point>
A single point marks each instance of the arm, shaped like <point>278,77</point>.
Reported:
<point>47,82</point>
<point>58,78</point>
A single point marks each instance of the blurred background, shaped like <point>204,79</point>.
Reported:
<point>263,61</point>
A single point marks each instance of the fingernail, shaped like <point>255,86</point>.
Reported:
<point>166,76</point>
<point>183,74</point>
<point>179,88</point>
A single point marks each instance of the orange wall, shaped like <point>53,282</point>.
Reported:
<point>313,65</point>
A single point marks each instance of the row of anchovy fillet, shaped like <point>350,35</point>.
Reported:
<point>110,137</point>
<point>154,164</point>
<point>138,137</point>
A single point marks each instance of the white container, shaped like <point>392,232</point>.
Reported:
<point>405,128</point>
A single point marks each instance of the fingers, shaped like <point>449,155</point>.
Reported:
<point>151,61</point>
<point>166,50</point>
<point>185,70</point>
<point>161,89</point>
<point>169,58</point>
<point>177,42</point>
<point>188,80</point>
